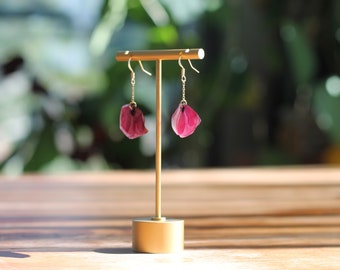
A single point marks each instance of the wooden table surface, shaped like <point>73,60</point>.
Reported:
<point>249,218</point>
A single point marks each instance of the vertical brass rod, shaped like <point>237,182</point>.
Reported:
<point>158,194</point>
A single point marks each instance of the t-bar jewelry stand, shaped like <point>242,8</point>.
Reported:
<point>158,234</point>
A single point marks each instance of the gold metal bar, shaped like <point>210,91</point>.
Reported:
<point>154,55</point>
<point>158,214</point>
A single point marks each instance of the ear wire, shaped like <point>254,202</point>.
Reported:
<point>180,64</point>
<point>193,66</point>
<point>129,65</point>
<point>145,71</point>
<point>133,81</point>
<point>183,78</point>
<point>141,66</point>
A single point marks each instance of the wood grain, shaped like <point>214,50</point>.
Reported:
<point>246,218</point>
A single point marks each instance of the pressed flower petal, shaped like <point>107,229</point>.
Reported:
<point>132,121</point>
<point>185,120</point>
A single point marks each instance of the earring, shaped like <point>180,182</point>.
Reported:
<point>184,120</point>
<point>131,121</point>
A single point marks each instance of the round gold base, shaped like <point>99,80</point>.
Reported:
<point>157,236</point>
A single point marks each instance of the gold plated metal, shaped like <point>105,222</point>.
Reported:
<point>158,195</point>
<point>193,66</point>
<point>149,236</point>
<point>133,81</point>
<point>155,55</point>
<point>183,77</point>
<point>158,234</point>
<point>145,71</point>
<point>180,64</point>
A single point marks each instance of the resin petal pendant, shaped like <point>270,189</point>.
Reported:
<point>184,120</point>
<point>132,121</point>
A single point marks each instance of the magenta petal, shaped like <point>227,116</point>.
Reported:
<point>132,122</point>
<point>184,120</point>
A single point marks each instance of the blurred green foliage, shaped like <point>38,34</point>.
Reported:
<point>268,90</point>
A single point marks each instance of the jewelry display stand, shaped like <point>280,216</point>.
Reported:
<point>158,234</point>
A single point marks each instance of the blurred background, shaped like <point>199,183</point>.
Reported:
<point>268,91</point>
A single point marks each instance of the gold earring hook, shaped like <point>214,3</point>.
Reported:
<point>133,82</point>
<point>193,66</point>
<point>183,69</point>
<point>129,66</point>
<point>141,65</point>
<point>145,71</point>
<point>180,64</point>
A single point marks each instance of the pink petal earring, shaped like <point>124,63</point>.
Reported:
<point>131,121</point>
<point>184,120</point>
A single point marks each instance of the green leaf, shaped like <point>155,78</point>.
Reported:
<point>300,52</point>
<point>45,150</point>
<point>165,35</point>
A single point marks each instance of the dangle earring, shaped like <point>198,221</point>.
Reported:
<point>184,120</point>
<point>131,121</point>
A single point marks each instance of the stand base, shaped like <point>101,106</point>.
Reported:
<point>157,236</point>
